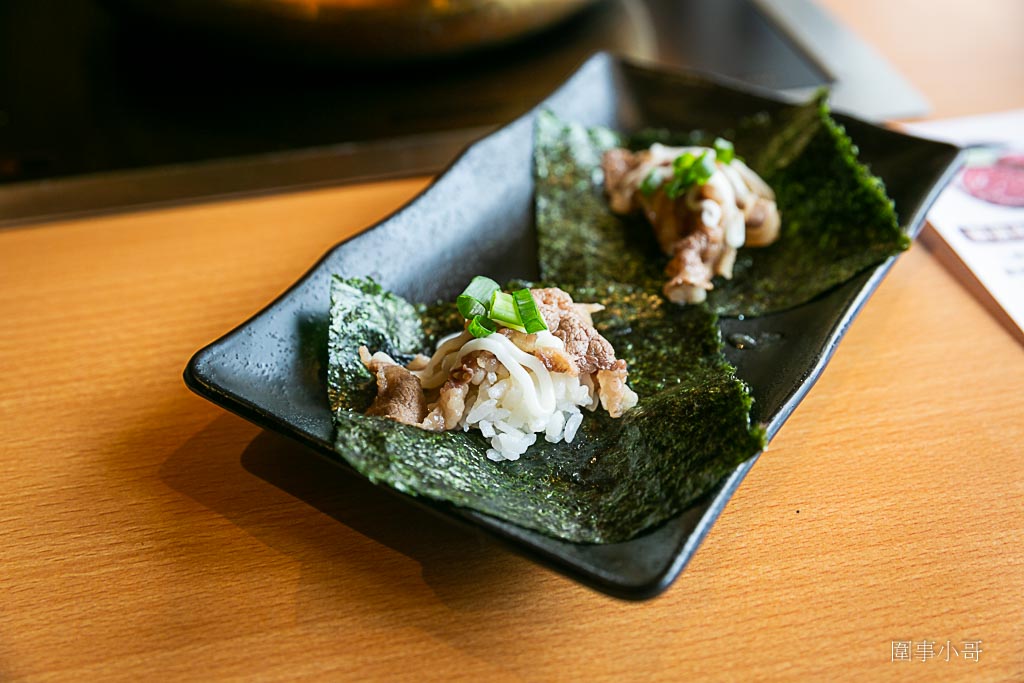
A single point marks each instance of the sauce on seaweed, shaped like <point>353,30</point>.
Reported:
<point>572,491</point>
<point>837,220</point>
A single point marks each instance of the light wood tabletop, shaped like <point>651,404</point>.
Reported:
<point>145,533</point>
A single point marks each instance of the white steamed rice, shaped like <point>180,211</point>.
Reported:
<point>519,400</point>
<point>496,407</point>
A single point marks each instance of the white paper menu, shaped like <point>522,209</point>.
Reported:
<point>980,214</point>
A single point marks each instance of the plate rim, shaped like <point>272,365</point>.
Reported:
<point>719,496</point>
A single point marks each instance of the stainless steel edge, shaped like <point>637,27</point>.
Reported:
<point>66,198</point>
<point>864,83</point>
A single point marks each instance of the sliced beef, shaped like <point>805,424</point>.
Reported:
<point>615,396</point>
<point>700,230</point>
<point>583,344</point>
<point>399,393</point>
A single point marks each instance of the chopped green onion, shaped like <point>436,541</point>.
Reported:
<point>703,169</point>
<point>503,311</point>
<point>680,168</point>
<point>689,170</point>
<point>652,182</point>
<point>533,321</point>
<point>724,150</point>
<point>676,188</point>
<point>683,163</point>
<point>482,326</point>
<point>474,299</point>
<point>470,307</point>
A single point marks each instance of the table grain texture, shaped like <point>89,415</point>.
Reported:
<point>147,534</point>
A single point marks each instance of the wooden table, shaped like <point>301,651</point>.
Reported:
<point>141,533</point>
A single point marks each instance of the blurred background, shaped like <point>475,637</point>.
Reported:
<point>106,104</point>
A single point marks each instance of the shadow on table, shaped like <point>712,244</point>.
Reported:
<point>447,554</point>
<point>464,570</point>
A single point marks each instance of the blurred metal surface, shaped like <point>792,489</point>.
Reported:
<point>861,82</point>
<point>99,114</point>
<point>361,30</point>
<point>99,193</point>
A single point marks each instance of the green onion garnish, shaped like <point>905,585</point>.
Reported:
<point>533,321</point>
<point>680,168</point>
<point>689,170</point>
<point>503,311</point>
<point>475,298</point>
<point>703,169</point>
<point>724,150</point>
<point>470,307</point>
<point>683,163</point>
<point>482,326</point>
<point>486,306</point>
<point>652,182</point>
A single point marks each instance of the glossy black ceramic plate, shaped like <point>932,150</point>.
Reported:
<point>478,218</point>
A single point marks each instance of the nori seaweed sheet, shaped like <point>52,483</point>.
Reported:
<point>617,478</point>
<point>836,217</point>
<point>691,426</point>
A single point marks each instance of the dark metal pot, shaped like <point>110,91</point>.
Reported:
<point>360,30</point>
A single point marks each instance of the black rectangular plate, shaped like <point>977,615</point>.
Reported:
<point>478,218</point>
